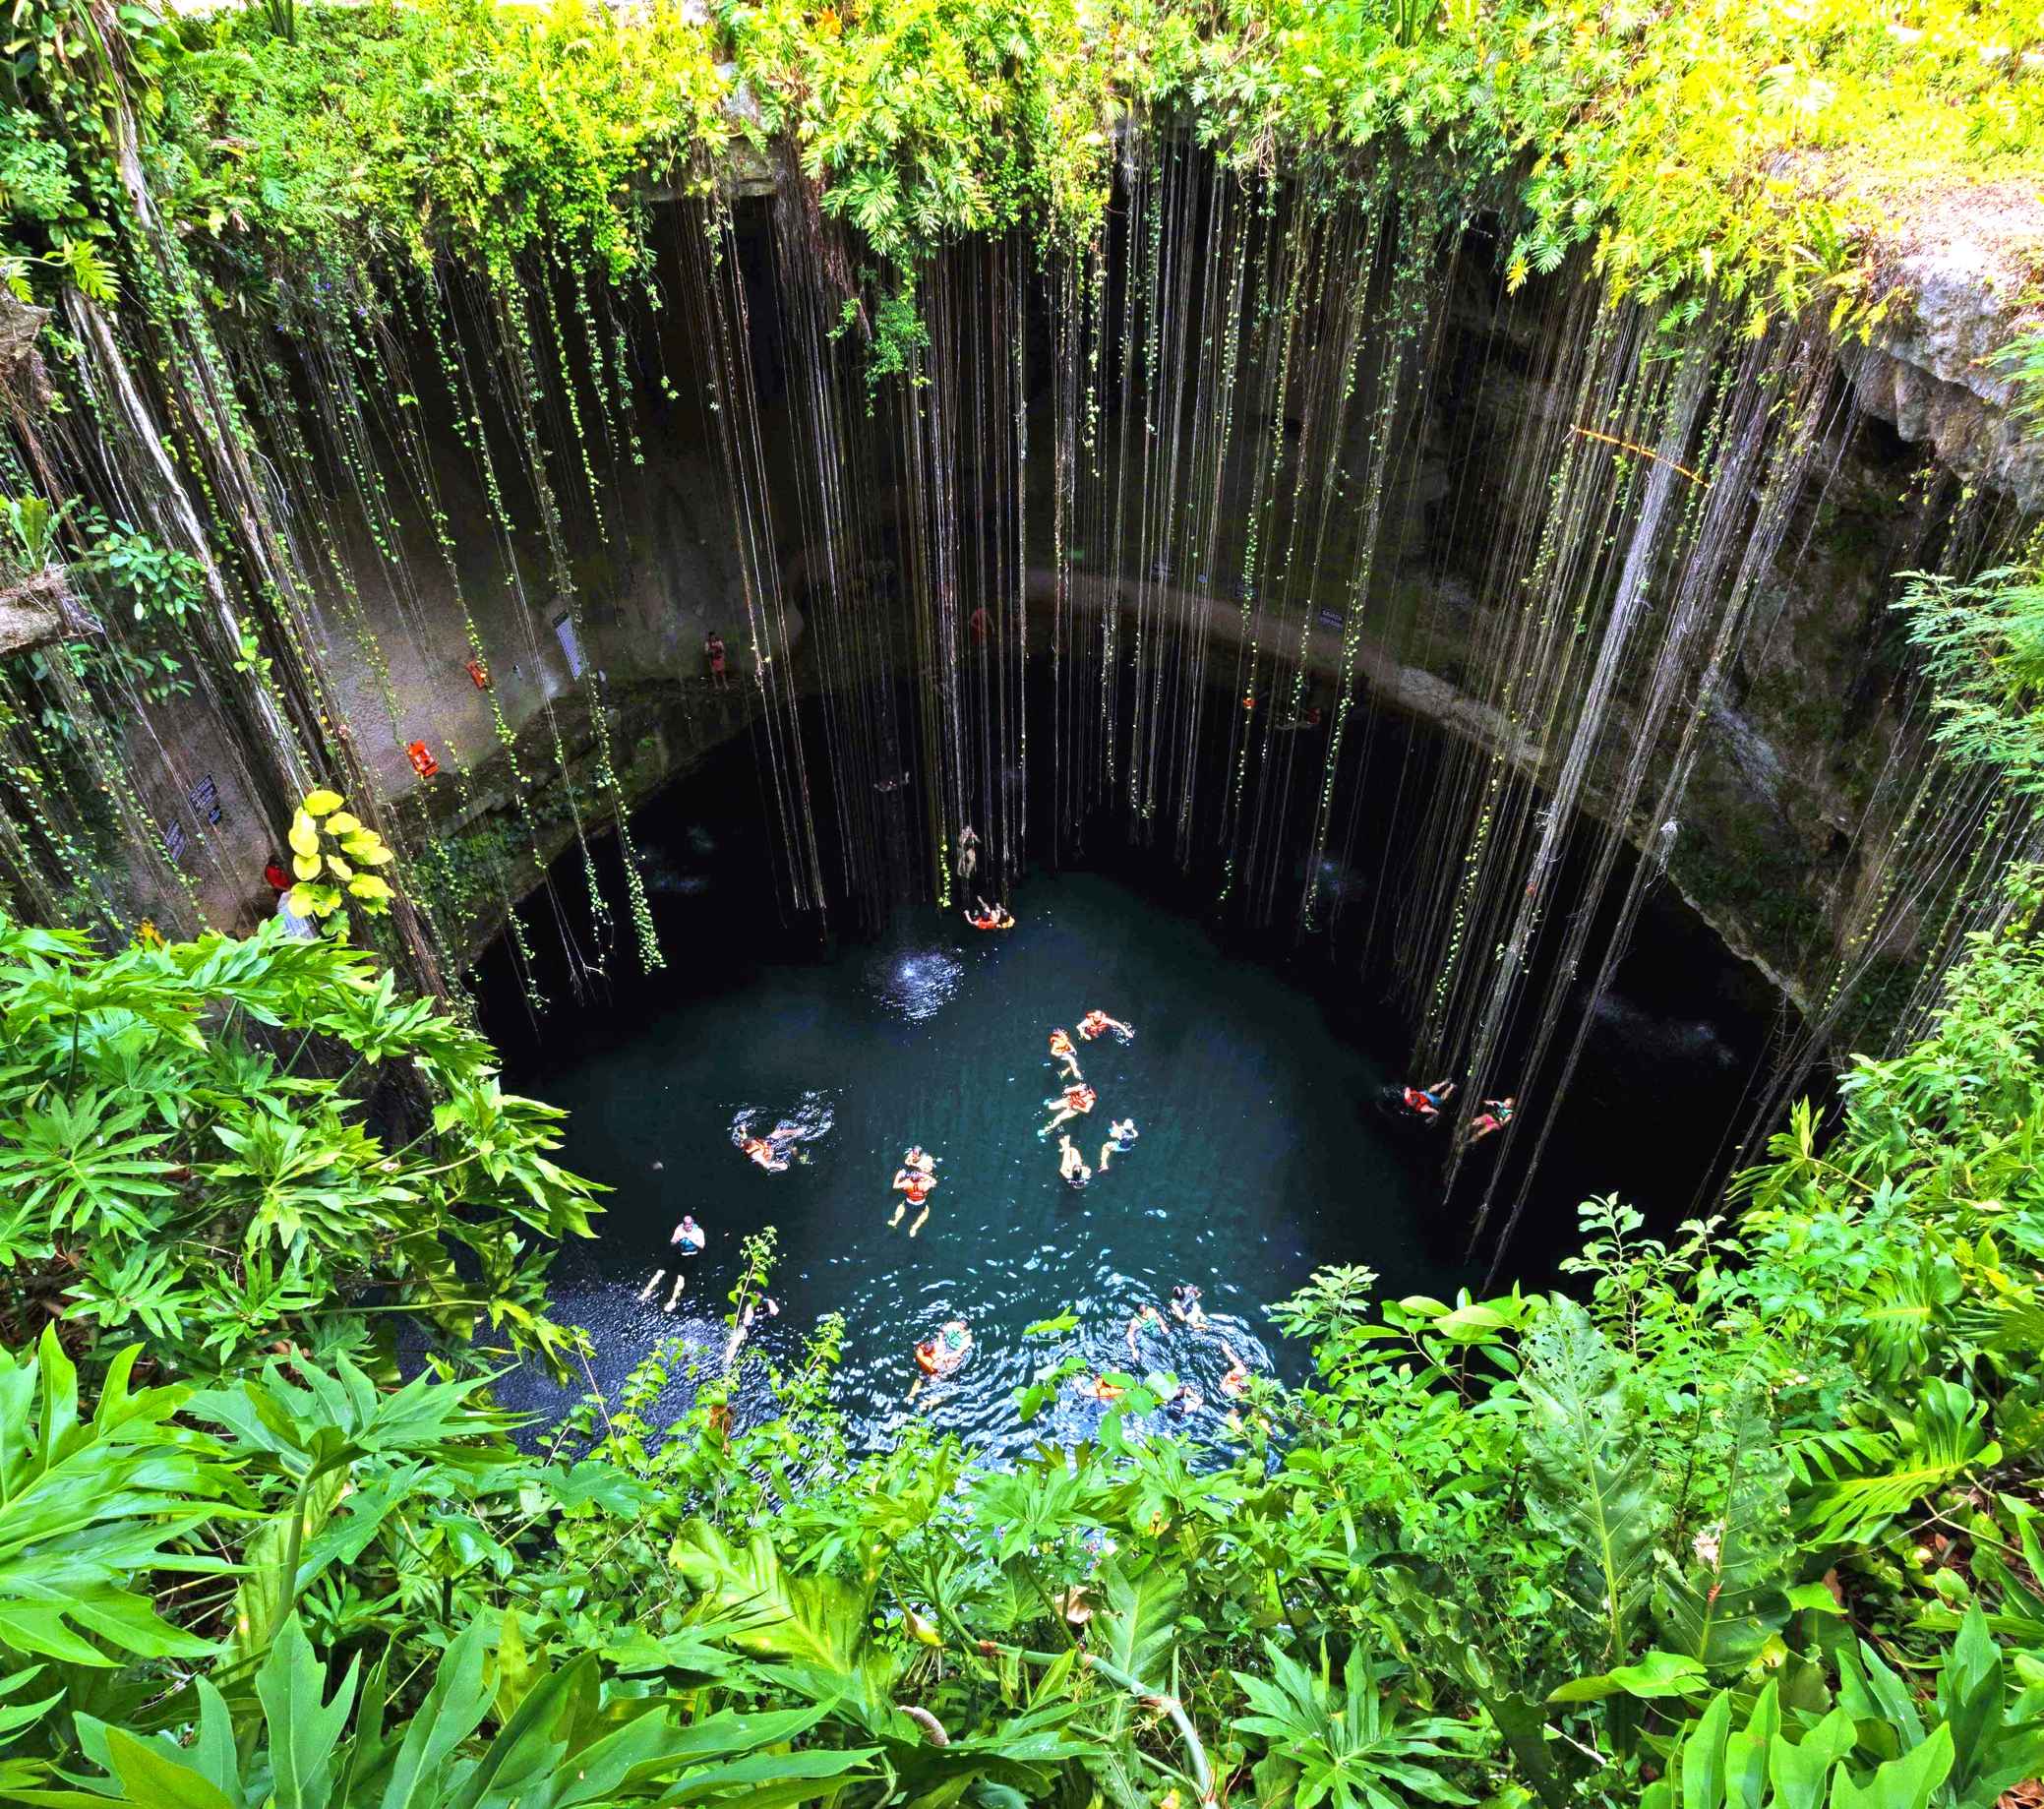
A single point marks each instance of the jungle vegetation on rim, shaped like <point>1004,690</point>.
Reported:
<point>1747,1516</point>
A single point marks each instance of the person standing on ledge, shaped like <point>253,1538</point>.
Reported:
<point>713,651</point>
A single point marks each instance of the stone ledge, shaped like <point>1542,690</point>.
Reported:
<point>1959,270</point>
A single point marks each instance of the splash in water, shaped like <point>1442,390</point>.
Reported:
<point>810,1118</point>
<point>915,984</point>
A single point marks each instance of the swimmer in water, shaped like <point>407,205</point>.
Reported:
<point>942,1354</point>
<point>690,1236</point>
<point>1096,1021</point>
<point>1495,1115</point>
<point>917,1158</point>
<point>770,1152</point>
<point>1120,1140</point>
<point>991,917</point>
<point>1070,1103</point>
<point>1188,1400</point>
<point>1146,1315</point>
<point>1236,1380</point>
<point>1070,1163</point>
<point>1185,1307</point>
<point>1427,1102</point>
<point>915,1183</point>
<point>1061,1051</point>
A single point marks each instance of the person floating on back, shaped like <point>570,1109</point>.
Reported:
<point>1427,1102</point>
<point>942,1353</point>
<point>1236,1379</point>
<point>1070,1163</point>
<point>1120,1140</point>
<point>1495,1115</point>
<point>1070,1103</point>
<point>1061,1051</point>
<point>990,917</point>
<point>1097,1020</point>
<point>1146,1315</point>
<point>916,1183</point>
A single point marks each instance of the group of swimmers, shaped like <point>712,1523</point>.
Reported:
<point>1427,1102</point>
<point>1078,1098</point>
<point>943,1353</point>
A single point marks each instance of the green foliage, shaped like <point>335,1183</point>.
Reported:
<point>1348,1748</point>
<point>541,123</point>
<point>174,1161</point>
<point>1592,1490</point>
<point>1750,1515</point>
<point>1686,152</point>
<point>1982,641</point>
<point>89,1505</point>
<point>922,119</point>
<point>119,572</point>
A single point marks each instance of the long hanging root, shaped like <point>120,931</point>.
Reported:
<point>1644,451</point>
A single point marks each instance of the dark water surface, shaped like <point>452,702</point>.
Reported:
<point>1254,1164</point>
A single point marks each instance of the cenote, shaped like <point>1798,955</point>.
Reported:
<point>1257,1080</point>
<point>614,612</point>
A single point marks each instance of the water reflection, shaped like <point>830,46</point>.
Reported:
<point>915,984</point>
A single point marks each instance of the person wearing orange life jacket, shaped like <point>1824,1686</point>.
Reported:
<point>1095,1022</point>
<point>1428,1101</point>
<point>1069,1103</point>
<point>942,1353</point>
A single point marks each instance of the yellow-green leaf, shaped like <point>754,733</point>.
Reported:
<point>306,866</point>
<point>367,849</point>
<point>305,835</point>
<point>323,803</point>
